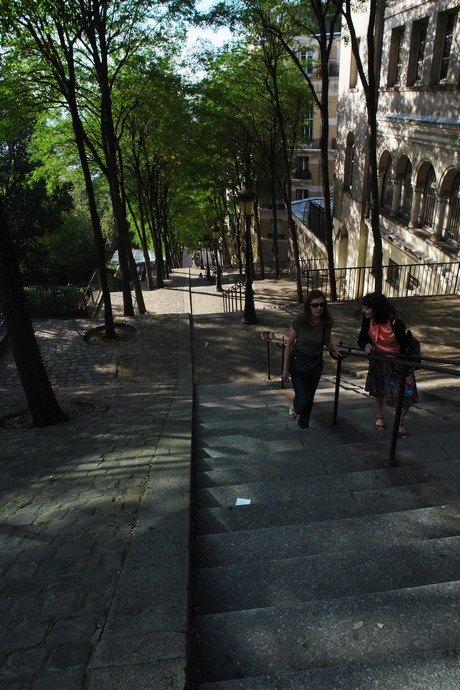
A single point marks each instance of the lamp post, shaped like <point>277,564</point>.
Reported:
<point>215,237</point>
<point>208,272</point>
<point>246,198</point>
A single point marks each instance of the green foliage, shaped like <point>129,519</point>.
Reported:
<point>50,235</point>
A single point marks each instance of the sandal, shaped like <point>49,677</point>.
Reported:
<point>402,432</point>
<point>380,427</point>
<point>292,413</point>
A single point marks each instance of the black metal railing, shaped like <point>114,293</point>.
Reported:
<point>56,302</point>
<point>271,339</point>
<point>447,367</point>
<point>93,291</point>
<point>427,280</point>
<point>233,298</point>
<point>407,280</point>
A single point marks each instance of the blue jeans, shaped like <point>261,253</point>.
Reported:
<point>304,393</point>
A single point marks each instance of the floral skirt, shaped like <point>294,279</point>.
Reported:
<point>383,381</point>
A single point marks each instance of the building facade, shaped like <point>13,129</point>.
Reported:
<point>418,152</point>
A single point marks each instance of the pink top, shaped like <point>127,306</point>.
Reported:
<point>383,337</point>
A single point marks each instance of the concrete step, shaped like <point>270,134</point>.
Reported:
<point>272,505</point>
<point>353,410</point>
<point>344,566</point>
<point>319,634</point>
<point>296,541</point>
<point>415,671</point>
<point>287,467</point>
<point>255,585</point>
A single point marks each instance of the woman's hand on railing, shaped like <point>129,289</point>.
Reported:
<point>337,351</point>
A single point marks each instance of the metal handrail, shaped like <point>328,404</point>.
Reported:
<point>449,367</point>
<point>269,337</point>
<point>407,363</point>
<point>233,298</point>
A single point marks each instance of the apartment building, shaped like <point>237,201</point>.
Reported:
<point>418,144</point>
<point>306,174</point>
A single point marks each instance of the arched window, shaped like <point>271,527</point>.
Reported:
<point>387,187</point>
<point>453,224</point>
<point>407,191</point>
<point>429,199</point>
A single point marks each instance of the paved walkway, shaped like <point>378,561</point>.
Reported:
<point>95,512</point>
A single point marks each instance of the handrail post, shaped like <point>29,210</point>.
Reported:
<point>268,361</point>
<point>398,411</point>
<point>268,336</point>
<point>338,374</point>
<point>283,351</point>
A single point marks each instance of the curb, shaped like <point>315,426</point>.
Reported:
<point>144,643</point>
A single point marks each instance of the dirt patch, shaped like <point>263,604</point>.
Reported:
<point>123,331</point>
<point>22,419</point>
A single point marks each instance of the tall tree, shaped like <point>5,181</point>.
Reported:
<point>46,36</point>
<point>368,74</point>
<point>40,397</point>
<point>288,102</point>
<point>154,141</point>
<point>318,21</point>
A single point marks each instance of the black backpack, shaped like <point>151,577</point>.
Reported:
<point>413,349</point>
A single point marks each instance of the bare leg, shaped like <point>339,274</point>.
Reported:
<point>379,418</point>
<point>402,432</point>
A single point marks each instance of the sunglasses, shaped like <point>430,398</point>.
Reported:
<point>317,305</point>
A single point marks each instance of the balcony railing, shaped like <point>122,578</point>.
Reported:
<point>434,279</point>
<point>302,175</point>
<point>316,144</point>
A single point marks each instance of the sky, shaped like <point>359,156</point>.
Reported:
<point>218,37</point>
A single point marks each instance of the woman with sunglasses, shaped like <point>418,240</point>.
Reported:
<point>382,332</point>
<point>303,358</point>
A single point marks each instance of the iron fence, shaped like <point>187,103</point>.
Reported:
<point>433,279</point>
<point>232,298</point>
<point>407,363</point>
<point>56,302</point>
<point>352,283</point>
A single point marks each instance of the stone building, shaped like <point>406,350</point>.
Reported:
<point>418,149</point>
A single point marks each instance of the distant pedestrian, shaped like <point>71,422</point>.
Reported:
<point>383,332</point>
<point>310,331</point>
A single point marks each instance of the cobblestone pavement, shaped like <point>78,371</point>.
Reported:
<point>78,499</point>
<point>71,494</point>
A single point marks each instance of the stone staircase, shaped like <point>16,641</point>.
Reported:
<point>343,571</point>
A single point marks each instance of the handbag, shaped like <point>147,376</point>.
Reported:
<point>307,365</point>
<point>412,349</point>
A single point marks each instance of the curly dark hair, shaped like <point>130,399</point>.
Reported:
<point>305,314</point>
<point>383,309</point>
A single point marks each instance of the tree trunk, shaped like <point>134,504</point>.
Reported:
<point>259,246</point>
<point>275,218</point>
<point>325,180</point>
<point>95,220</point>
<point>40,397</point>
<point>369,82</point>
<point>372,100</point>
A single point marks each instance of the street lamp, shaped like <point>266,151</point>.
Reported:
<point>215,237</point>
<point>208,272</point>
<point>246,198</point>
